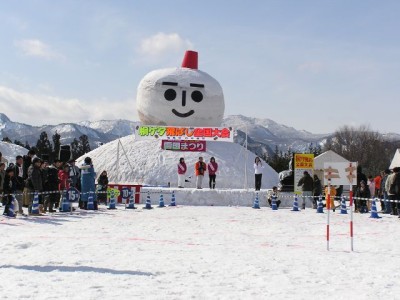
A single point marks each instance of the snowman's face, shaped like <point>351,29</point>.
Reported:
<point>180,97</point>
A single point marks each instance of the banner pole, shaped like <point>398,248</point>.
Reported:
<point>351,218</point>
<point>328,206</point>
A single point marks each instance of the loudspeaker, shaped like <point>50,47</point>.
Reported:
<point>65,153</point>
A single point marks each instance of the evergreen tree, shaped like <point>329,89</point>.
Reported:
<point>16,142</point>
<point>84,145</point>
<point>75,149</point>
<point>6,139</point>
<point>56,145</point>
<point>44,148</point>
<point>280,161</point>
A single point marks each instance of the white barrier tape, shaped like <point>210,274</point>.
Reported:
<point>168,192</point>
<point>82,193</point>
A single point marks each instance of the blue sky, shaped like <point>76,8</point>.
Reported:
<point>312,65</point>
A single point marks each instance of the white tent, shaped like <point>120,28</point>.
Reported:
<point>328,156</point>
<point>395,160</point>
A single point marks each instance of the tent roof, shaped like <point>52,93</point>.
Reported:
<point>395,160</point>
<point>328,156</point>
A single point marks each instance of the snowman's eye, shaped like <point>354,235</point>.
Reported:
<point>197,96</point>
<point>170,94</point>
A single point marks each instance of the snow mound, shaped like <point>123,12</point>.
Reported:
<point>144,162</point>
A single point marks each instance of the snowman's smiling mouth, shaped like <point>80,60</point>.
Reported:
<point>185,115</point>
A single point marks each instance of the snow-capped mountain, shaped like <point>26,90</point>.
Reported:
<point>271,134</point>
<point>98,132</point>
<point>117,128</point>
<point>263,135</point>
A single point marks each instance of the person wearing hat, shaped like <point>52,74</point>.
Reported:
<point>9,187</point>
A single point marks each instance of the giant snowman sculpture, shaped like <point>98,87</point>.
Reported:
<point>182,96</point>
<point>186,97</point>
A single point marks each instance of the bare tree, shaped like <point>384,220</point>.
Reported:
<point>362,145</point>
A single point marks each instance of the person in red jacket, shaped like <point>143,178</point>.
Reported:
<point>181,172</point>
<point>200,168</point>
<point>63,177</point>
<point>212,170</point>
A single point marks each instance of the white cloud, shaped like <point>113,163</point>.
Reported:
<point>162,43</point>
<point>37,48</point>
<point>35,109</point>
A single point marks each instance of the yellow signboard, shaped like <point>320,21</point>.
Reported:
<point>302,162</point>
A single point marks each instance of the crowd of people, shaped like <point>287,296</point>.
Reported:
<point>30,175</point>
<point>385,187</point>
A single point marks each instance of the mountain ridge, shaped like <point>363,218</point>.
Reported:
<point>263,135</point>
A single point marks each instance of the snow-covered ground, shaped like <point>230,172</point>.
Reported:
<point>128,160</point>
<point>198,252</point>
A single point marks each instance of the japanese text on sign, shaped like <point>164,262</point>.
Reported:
<point>224,134</point>
<point>195,146</point>
<point>304,161</point>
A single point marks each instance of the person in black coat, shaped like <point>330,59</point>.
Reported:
<point>52,186</point>
<point>360,177</point>
<point>363,192</point>
<point>9,188</point>
<point>19,178</point>
<point>317,190</point>
<point>306,182</point>
<point>102,183</point>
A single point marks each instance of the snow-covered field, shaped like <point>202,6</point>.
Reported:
<point>198,252</point>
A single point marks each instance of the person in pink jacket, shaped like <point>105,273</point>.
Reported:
<point>181,172</point>
<point>212,170</point>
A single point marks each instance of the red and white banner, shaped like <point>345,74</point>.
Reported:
<point>192,146</point>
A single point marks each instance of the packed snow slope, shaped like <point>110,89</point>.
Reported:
<point>193,252</point>
<point>144,162</point>
<point>10,151</point>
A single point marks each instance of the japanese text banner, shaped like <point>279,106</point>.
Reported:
<point>221,134</point>
<point>192,146</point>
<point>302,162</point>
